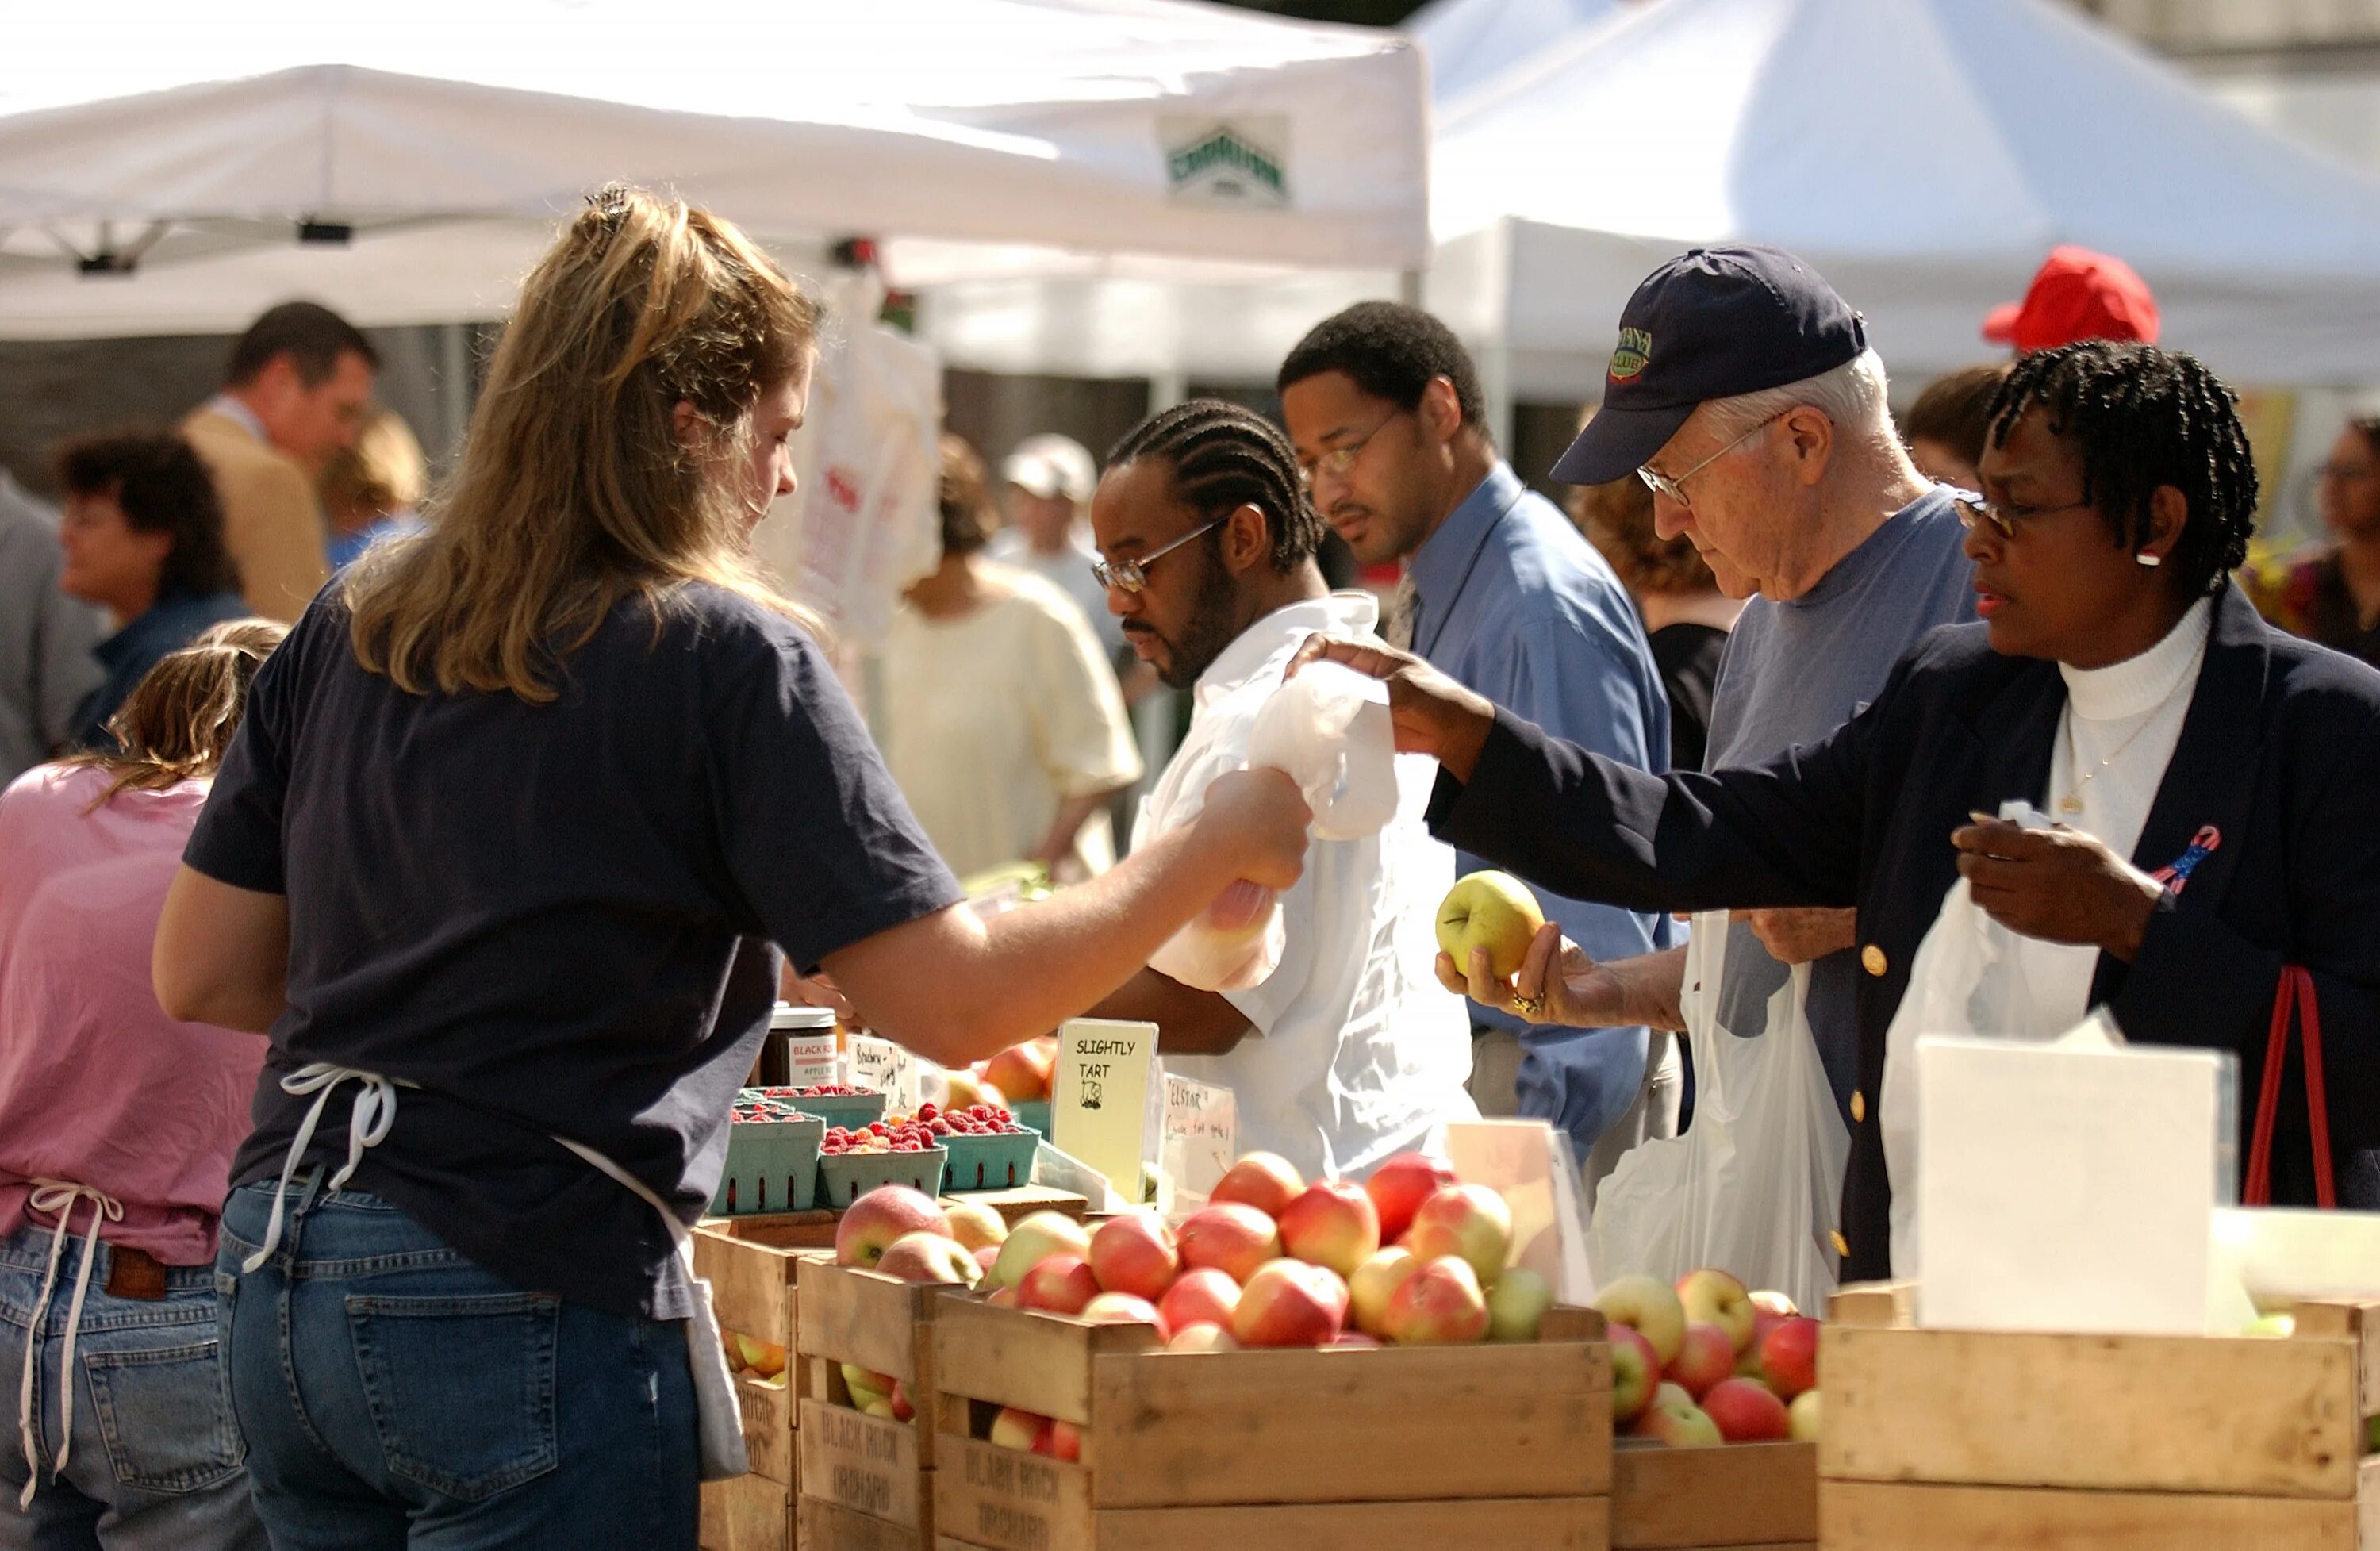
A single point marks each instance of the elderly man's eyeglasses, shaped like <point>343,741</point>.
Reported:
<point>1662,484</point>
<point>1133,575</point>
<point>1339,461</point>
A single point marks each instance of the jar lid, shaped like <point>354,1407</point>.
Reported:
<point>787,1016</point>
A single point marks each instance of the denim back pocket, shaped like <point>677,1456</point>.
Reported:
<point>461,1388</point>
<point>165,1415</point>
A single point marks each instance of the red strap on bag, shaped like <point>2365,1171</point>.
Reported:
<point>2295,995</point>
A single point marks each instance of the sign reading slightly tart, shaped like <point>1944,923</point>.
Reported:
<point>1241,161</point>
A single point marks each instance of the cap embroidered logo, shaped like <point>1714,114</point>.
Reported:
<point>1635,354</point>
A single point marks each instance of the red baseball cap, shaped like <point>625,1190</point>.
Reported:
<point>2076,294</point>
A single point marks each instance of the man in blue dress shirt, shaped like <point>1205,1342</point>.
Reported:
<point>1500,591</point>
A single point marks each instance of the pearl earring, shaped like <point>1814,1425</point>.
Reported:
<point>2150,559</point>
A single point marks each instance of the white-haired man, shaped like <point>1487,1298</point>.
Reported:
<point>1744,391</point>
<point>1047,483</point>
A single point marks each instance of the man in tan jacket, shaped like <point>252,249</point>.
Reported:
<point>300,382</point>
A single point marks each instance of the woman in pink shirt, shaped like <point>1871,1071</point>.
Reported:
<point>116,1131</point>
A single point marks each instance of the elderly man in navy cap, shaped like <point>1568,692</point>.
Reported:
<point>1744,391</point>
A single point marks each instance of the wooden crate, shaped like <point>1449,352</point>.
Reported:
<point>1742,1497</point>
<point>749,1513</point>
<point>752,1287</point>
<point>1962,1439</point>
<point>1402,1446</point>
<point>868,1466</point>
<point>815,1229</point>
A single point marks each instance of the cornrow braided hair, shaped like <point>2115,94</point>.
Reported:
<point>1225,456</point>
<point>2141,417</point>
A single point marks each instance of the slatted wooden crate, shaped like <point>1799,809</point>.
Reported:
<point>1740,1497</point>
<point>1488,1446</point>
<point>867,1466</point>
<point>1960,1441</point>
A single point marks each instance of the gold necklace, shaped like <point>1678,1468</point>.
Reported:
<point>2071,802</point>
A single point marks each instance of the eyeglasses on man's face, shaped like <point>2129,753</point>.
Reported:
<point>1339,462</point>
<point>1133,575</point>
<point>1662,484</point>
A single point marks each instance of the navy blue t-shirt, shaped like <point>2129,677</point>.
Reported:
<point>555,918</point>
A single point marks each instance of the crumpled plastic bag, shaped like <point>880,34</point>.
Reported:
<point>1328,730</point>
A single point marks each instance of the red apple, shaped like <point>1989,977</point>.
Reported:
<point>870,1391</point>
<point>901,1409</point>
<point>1332,1224</point>
<point>1201,1296</point>
<point>1716,1298</point>
<point>1788,1358</point>
<point>1202,1337</point>
<point>1747,1362</point>
<point>987,1257</point>
<point>929,1258</point>
<point>1136,1254</point>
<point>1232,1237</point>
<point>1744,1411</point>
<point>1470,1223</point>
<point>1035,1239</point>
<point>1061,1284</point>
<point>1021,1072</point>
<point>884,1214</point>
<point>1438,1305</point>
<point>1706,1358</point>
<point>1635,1373</point>
<point>763,1359</point>
<point>1373,1283</point>
<point>1020,1430</point>
<point>1289,1302</point>
<point>1122,1308</point>
<point>1648,1307</point>
<point>1060,1440</point>
<point>1265,1180</point>
<point>1400,1185</point>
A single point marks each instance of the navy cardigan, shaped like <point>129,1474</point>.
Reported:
<point>2279,755</point>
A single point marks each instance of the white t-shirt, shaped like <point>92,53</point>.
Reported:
<point>1356,1053</point>
<point>2144,700</point>
<point>991,720</point>
<point>1069,571</point>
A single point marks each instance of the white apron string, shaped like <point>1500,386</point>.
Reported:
<point>374,1112</point>
<point>59,1196</point>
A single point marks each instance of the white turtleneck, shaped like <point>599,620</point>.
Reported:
<point>2130,716</point>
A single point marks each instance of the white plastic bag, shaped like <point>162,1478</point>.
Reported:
<point>1329,729</point>
<point>1967,979</point>
<point>1755,1186</point>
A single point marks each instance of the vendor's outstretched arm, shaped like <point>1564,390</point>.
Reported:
<point>956,988</point>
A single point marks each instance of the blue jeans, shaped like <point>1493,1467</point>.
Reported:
<point>155,1462</point>
<point>393,1394</point>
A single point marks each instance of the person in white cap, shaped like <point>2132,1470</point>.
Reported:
<point>1048,481</point>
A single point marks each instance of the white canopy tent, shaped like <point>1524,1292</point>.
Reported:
<point>1470,42</point>
<point>1924,154</point>
<point>436,148</point>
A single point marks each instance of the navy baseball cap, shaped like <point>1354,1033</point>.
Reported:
<point>1710,323</point>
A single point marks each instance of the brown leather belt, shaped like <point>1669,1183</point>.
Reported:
<point>133,1273</point>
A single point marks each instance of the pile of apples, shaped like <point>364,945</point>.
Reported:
<point>1019,1074</point>
<point>906,1233</point>
<point>1706,1363</point>
<point>765,1361</point>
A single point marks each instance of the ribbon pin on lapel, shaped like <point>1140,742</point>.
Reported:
<point>2202,845</point>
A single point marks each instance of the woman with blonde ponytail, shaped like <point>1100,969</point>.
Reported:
<point>499,859</point>
<point>116,1124</point>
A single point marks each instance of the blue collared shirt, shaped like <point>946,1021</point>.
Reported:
<point>1516,605</point>
<point>170,624</point>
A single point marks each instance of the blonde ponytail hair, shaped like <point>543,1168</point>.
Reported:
<point>575,488</point>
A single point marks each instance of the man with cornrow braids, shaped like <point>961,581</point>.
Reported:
<point>1348,1051</point>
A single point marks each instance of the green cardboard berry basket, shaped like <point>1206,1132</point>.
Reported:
<point>852,1111</point>
<point>1033,1114</point>
<point>772,1166</point>
<point>843,1178</point>
<point>990,1163</point>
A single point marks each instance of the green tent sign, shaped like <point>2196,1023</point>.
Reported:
<point>1227,163</point>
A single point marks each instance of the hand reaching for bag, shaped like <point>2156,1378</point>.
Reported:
<point>1431,713</point>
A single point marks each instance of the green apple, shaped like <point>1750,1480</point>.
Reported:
<point>1802,1417</point>
<point>1516,1303</point>
<point>1489,910</point>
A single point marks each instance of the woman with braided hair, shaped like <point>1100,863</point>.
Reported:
<point>2209,776</point>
